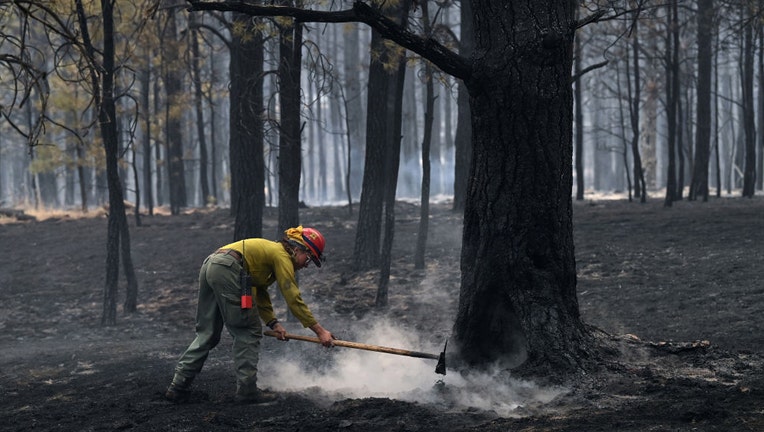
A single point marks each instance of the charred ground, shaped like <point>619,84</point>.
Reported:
<point>676,291</point>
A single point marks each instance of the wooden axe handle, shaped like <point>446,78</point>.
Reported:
<point>357,345</point>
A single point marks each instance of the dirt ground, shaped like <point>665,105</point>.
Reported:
<point>677,291</point>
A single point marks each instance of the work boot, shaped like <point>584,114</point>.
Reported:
<point>179,390</point>
<point>256,397</point>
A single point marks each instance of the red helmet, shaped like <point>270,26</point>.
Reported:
<point>314,240</point>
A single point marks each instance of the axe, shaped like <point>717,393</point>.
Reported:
<point>441,358</point>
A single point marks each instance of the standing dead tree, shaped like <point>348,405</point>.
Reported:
<point>69,37</point>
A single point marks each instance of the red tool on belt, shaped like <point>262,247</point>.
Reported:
<point>245,281</point>
<point>245,288</point>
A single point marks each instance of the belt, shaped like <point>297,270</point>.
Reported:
<point>237,256</point>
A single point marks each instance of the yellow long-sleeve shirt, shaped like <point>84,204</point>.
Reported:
<point>267,262</point>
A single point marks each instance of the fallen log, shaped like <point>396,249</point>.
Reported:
<point>16,214</point>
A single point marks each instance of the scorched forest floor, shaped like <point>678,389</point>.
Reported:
<point>677,291</point>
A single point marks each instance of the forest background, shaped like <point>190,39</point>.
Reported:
<point>521,133</point>
<point>144,115</point>
<point>638,81</point>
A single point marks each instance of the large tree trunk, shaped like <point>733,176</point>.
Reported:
<point>518,297</point>
<point>246,129</point>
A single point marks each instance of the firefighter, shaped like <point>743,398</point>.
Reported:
<point>233,292</point>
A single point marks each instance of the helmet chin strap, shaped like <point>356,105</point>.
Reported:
<point>293,245</point>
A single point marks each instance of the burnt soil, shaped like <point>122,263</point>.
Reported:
<point>677,292</point>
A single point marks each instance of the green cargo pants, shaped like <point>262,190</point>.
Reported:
<point>219,304</point>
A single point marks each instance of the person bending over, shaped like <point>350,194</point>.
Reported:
<point>233,293</point>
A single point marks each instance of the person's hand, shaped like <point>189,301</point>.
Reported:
<point>280,331</point>
<point>327,338</point>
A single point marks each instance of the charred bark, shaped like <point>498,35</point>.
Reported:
<point>290,132</point>
<point>518,299</point>
<point>699,186</point>
<point>246,129</point>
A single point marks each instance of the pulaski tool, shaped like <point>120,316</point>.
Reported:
<point>441,358</point>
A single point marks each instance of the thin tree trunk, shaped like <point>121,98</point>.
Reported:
<point>639,174</point>
<point>424,210</point>
<point>81,177</point>
<point>161,168</point>
<point>136,181</point>
<point>354,112</point>
<point>672,100</point>
<point>200,125</point>
<point>394,101</point>
<point>579,122</point>
<point>463,137</point>
<point>699,186</point>
<point>246,129</point>
<point>760,135</point>
<point>107,114</point>
<point>174,91</point>
<point>625,142</point>
<point>717,117</point>
<point>681,132</point>
<point>749,164</point>
<point>290,131</point>
<point>367,242</point>
<point>213,131</point>
<point>144,78</point>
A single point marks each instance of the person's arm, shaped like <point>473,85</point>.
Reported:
<point>325,335</point>
<point>264,304</point>
<point>284,273</point>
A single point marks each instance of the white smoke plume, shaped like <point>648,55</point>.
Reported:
<point>340,373</point>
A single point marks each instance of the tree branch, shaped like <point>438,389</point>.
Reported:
<point>593,18</point>
<point>445,59</point>
<point>583,72</point>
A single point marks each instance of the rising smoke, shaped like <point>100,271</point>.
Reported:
<point>340,373</point>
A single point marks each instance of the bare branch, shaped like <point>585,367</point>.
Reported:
<point>583,72</point>
<point>593,18</point>
<point>447,60</point>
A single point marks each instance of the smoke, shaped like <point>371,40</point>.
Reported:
<point>417,311</point>
<point>340,373</point>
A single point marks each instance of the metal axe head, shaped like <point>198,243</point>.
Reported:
<point>441,366</point>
